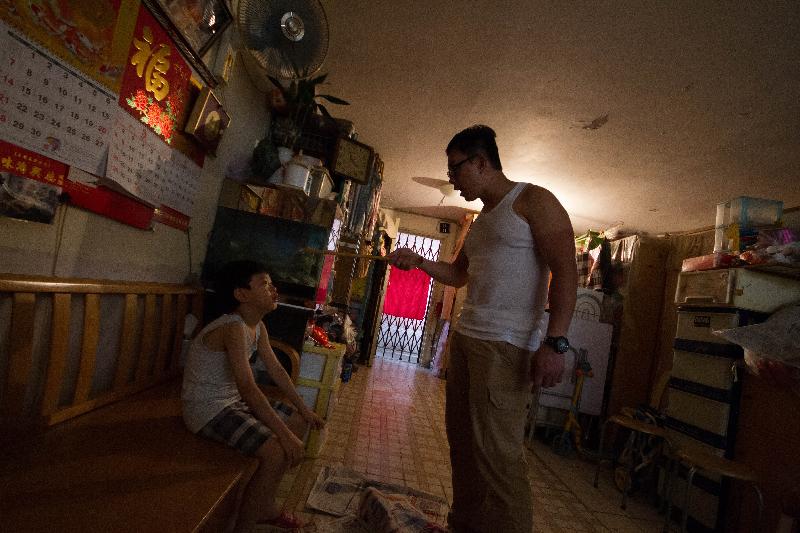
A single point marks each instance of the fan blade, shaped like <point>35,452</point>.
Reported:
<point>430,182</point>
<point>444,212</point>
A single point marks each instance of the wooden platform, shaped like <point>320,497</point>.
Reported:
<point>130,466</point>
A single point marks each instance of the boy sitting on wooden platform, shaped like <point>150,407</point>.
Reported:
<point>222,401</point>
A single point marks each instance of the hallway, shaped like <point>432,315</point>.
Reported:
<point>389,425</point>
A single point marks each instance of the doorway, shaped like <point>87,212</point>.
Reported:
<point>407,303</point>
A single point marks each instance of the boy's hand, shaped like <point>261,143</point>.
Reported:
<point>292,447</point>
<point>313,419</point>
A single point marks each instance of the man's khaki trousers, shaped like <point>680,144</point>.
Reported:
<point>488,394</point>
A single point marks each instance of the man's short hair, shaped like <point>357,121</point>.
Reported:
<point>235,275</point>
<point>477,138</point>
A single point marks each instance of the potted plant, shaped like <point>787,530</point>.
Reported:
<point>295,106</point>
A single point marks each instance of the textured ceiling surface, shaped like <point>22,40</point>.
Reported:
<point>645,113</point>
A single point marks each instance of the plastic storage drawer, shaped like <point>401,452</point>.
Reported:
<point>736,287</point>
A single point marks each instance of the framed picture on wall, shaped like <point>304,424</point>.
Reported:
<point>208,121</point>
<point>194,25</point>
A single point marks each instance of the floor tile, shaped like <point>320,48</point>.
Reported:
<point>389,424</point>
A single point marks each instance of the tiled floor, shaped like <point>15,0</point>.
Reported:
<point>389,424</point>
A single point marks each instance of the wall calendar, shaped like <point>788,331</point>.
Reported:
<point>142,164</point>
<point>48,108</point>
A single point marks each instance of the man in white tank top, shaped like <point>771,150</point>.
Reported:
<point>522,237</point>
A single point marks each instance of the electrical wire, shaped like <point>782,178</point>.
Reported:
<point>61,224</point>
<point>189,244</point>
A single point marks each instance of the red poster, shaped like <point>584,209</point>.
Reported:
<point>27,164</point>
<point>110,204</point>
<point>170,217</point>
<point>30,184</point>
<point>155,85</point>
<point>98,199</point>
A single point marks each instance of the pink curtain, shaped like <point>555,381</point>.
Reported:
<point>407,294</point>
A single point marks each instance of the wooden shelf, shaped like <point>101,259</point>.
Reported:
<point>279,203</point>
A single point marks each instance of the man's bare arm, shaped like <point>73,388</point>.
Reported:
<point>454,274</point>
<point>554,239</point>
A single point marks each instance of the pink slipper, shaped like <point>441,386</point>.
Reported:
<point>284,520</point>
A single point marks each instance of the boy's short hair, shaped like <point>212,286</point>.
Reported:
<point>232,276</point>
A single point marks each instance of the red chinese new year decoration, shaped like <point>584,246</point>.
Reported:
<point>155,86</point>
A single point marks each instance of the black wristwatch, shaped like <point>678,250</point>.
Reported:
<point>559,344</point>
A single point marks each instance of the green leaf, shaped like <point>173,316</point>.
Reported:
<point>333,99</point>
<point>275,82</point>
<point>318,79</point>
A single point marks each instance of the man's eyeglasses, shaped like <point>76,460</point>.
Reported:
<point>452,171</point>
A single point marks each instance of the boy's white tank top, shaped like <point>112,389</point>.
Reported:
<point>507,287</point>
<point>208,382</point>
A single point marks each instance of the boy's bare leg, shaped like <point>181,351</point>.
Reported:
<point>258,501</point>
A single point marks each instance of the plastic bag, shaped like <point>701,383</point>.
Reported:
<point>775,339</point>
<point>772,348</point>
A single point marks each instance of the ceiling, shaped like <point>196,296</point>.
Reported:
<point>645,113</point>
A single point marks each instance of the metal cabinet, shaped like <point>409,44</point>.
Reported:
<point>704,390</point>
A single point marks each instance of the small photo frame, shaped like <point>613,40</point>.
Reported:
<point>208,121</point>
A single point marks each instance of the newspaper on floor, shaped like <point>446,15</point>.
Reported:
<point>339,490</point>
<point>390,513</point>
<point>336,491</point>
<point>435,508</point>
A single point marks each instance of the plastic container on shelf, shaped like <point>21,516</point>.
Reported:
<point>735,238</point>
<point>708,262</point>
<point>748,212</point>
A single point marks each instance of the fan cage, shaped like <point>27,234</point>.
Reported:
<point>258,23</point>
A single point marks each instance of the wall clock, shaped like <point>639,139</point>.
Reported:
<point>353,160</point>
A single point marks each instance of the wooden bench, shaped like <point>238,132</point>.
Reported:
<point>91,435</point>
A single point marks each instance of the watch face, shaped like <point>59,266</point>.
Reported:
<point>559,344</point>
<point>562,345</point>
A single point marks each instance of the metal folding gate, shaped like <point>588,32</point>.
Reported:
<point>401,338</point>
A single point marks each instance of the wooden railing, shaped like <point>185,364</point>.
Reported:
<point>150,337</point>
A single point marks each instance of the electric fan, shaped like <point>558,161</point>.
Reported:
<point>288,39</point>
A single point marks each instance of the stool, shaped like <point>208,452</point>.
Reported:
<point>696,460</point>
<point>640,429</point>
